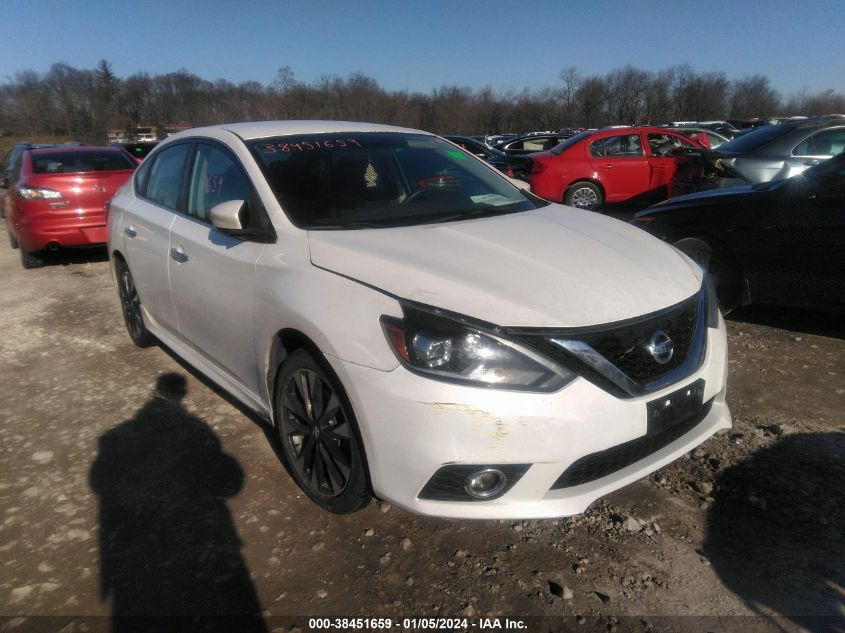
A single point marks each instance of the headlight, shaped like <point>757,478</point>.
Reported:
<point>712,302</point>
<point>448,349</point>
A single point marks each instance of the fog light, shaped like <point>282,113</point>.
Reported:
<point>485,483</point>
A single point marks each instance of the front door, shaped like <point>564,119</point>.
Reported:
<point>621,166</point>
<point>212,275</point>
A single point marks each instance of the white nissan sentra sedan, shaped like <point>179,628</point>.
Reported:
<point>413,323</point>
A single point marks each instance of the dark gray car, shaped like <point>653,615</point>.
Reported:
<point>782,151</point>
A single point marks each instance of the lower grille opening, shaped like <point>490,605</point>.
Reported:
<point>606,462</point>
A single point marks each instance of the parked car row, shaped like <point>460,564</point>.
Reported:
<point>413,323</point>
<point>638,165</point>
<point>610,165</point>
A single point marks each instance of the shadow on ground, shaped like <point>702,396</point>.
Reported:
<point>792,319</point>
<point>170,556</point>
<point>776,531</point>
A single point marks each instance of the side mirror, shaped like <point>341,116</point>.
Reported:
<point>520,184</point>
<point>226,216</point>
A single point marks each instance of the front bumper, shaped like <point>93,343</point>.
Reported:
<point>411,426</point>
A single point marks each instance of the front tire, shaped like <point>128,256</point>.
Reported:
<point>319,435</point>
<point>584,195</point>
<point>130,304</point>
<point>13,242</point>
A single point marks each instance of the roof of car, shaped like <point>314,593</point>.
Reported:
<point>265,129</point>
<point>54,149</point>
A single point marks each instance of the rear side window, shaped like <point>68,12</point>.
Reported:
<point>80,162</point>
<point>166,173</point>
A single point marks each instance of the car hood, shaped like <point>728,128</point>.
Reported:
<point>743,194</point>
<point>553,267</point>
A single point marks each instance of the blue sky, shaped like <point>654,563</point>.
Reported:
<point>419,46</point>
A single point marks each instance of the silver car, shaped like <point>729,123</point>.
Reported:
<point>772,152</point>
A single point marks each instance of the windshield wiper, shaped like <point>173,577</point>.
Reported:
<point>471,213</point>
<point>349,225</point>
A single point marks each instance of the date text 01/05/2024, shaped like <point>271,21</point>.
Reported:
<point>347,624</point>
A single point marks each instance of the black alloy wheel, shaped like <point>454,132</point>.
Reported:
<point>318,435</point>
<point>130,304</point>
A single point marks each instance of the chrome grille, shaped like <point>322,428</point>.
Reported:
<point>615,356</point>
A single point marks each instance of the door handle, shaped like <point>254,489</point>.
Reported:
<point>812,163</point>
<point>179,255</point>
<point>130,231</point>
<point>608,166</point>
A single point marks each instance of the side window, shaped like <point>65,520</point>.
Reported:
<point>663,144</point>
<point>141,178</point>
<point>166,172</point>
<point>622,146</point>
<point>537,145</point>
<point>216,177</point>
<point>824,143</point>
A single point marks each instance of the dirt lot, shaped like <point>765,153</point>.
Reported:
<point>118,501</point>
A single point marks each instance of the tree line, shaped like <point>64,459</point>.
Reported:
<point>85,103</point>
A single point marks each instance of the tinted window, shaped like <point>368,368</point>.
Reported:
<point>622,146</point>
<point>77,162</point>
<point>473,147</point>
<point>381,179</point>
<point>559,149</point>
<point>824,143</point>
<point>216,177</point>
<point>166,172</point>
<point>139,150</point>
<point>141,178</point>
<point>756,138</point>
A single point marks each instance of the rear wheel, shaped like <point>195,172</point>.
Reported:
<point>130,304</point>
<point>720,265</point>
<point>584,195</point>
<point>318,435</point>
<point>29,260</point>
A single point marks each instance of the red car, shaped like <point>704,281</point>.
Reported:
<point>59,197</point>
<point>609,165</point>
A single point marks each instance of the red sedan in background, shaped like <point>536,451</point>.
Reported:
<point>610,165</point>
<point>59,197</point>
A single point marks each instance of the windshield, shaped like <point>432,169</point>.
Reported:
<point>374,179</point>
<point>559,149</point>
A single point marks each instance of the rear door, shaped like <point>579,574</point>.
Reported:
<point>146,231</point>
<point>621,165</point>
<point>212,274</point>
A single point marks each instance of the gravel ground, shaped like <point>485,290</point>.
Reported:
<point>129,486</point>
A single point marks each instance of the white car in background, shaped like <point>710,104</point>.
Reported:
<point>413,323</point>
